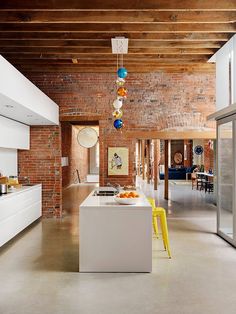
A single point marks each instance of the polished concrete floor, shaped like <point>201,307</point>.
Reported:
<point>39,269</point>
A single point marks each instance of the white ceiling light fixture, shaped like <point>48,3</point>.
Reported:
<point>119,45</point>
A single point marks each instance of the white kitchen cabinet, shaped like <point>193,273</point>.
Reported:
<point>18,210</point>
<point>14,134</point>
<point>8,162</point>
<point>225,74</point>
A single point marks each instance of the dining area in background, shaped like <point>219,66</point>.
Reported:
<point>203,180</point>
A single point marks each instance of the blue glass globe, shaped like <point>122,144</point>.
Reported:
<point>118,123</point>
<point>122,72</point>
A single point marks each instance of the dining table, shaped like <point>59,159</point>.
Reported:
<point>206,181</point>
<point>207,174</point>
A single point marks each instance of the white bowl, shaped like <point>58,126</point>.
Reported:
<point>127,201</point>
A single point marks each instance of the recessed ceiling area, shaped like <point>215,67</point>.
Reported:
<point>171,35</point>
<point>14,110</point>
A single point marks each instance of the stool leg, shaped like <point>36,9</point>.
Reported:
<point>155,226</point>
<point>162,231</point>
<point>165,232</point>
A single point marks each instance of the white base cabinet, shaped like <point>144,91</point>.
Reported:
<point>18,210</point>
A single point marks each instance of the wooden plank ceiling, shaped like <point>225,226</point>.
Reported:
<point>75,36</point>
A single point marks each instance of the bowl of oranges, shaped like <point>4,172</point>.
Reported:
<point>127,198</point>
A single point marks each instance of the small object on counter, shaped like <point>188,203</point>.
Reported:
<point>129,187</point>
<point>127,198</point>
<point>13,180</point>
<point>16,186</point>
<point>3,189</point>
<point>131,194</point>
<point>4,180</point>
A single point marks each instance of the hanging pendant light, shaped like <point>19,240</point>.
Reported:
<point>119,47</point>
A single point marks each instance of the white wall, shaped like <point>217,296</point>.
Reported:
<point>8,162</point>
<point>14,134</point>
<point>94,159</point>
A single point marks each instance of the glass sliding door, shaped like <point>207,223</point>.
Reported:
<point>226,178</point>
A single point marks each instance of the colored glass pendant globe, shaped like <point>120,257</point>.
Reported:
<point>117,114</point>
<point>118,123</point>
<point>122,91</point>
<point>122,73</point>
<point>117,104</point>
<point>120,82</point>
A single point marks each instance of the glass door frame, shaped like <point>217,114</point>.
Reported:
<point>231,118</point>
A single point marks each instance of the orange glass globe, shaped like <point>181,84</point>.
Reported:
<point>122,91</point>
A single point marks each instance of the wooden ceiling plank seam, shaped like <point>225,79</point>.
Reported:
<point>107,44</point>
<point>102,57</point>
<point>41,16</point>
<point>120,4</point>
<point>104,36</point>
<point>122,27</point>
<point>107,51</point>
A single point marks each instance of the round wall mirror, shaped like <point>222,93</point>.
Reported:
<point>178,158</point>
<point>87,137</point>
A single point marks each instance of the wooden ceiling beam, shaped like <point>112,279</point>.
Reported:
<point>38,56</point>
<point>191,37</point>
<point>122,27</point>
<point>110,69</point>
<point>106,61</point>
<point>170,134</point>
<point>41,16</point>
<point>106,44</point>
<point>120,4</point>
<point>107,51</point>
<point>128,65</point>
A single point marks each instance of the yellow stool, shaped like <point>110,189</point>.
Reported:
<point>161,213</point>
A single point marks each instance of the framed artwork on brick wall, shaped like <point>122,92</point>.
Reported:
<point>118,161</point>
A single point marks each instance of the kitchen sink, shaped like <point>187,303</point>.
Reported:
<point>105,193</point>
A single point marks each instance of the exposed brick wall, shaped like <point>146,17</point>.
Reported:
<point>208,156</point>
<point>155,101</point>
<point>42,164</point>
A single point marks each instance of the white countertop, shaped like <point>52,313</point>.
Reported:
<point>17,191</point>
<point>109,202</point>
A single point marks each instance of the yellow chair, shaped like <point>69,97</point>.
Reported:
<point>161,213</point>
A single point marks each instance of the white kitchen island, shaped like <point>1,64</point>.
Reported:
<point>113,237</point>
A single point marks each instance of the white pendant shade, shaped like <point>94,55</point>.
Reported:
<point>87,137</point>
<point>117,104</point>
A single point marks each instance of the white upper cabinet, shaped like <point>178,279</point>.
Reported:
<point>21,100</point>
<point>14,134</point>
<point>225,59</point>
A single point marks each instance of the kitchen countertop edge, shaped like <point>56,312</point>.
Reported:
<point>18,191</point>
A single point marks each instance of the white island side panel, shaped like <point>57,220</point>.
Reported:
<point>115,238</point>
